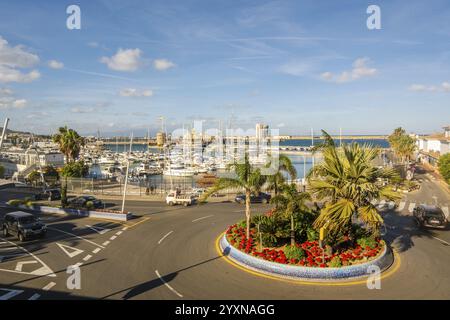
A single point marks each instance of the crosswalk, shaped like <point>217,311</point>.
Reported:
<point>405,206</point>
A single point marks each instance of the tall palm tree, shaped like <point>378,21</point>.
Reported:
<point>248,178</point>
<point>349,183</point>
<point>70,142</point>
<point>285,167</point>
<point>290,202</point>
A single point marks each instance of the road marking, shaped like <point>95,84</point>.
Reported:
<point>133,225</point>
<point>161,240</point>
<point>78,264</point>
<point>195,220</point>
<point>76,236</point>
<point>445,210</point>
<point>43,271</point>
<point>118,233</point>
<point>167,285</point>
<point>34,296</point>
<point>411,207</point>
<point>20,264</point>
<point>87,257</point>
<point>70,251</point>
<point>11,293</point>
<point>112,238</point>
<point>382,203</point>
<point>124,228</point>
<point>98,229</point>
<point>105,243</point>
<point>401,205</point>
<point>96,250</point>
<point>49,286</point>
<point>443,241</point>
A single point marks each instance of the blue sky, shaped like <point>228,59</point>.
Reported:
<point>295,65</point>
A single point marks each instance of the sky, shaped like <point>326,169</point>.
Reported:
<point>294,65</point>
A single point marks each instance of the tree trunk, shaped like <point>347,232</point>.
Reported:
<point>292,231</point>
<point>247,212</point>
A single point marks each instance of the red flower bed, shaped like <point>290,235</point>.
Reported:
<point>315,256</point>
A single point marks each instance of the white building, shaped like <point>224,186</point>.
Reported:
<point>433,146</point>
<point>262,131</point>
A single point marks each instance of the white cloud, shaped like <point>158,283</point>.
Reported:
<point>124,60</point>
<point>14,58</point>
<point>5,92</point>
<point>131,92</point>
<point>11,102</point>
<point>55,64</point>
<point>163,64</point>
<point>81,110</point>
<point>443,87</point>
<point>295,68</point>
<point>359,70</point>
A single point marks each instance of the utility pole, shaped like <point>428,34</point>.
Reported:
<point>126,175</point>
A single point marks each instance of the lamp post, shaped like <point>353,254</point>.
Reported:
<point>126,176</point>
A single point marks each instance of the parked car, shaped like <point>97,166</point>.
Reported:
<point>259,198</point>
<point>49,194</point>
<point>23,225</point>
<point>83,202</point>
<point>430,216</point>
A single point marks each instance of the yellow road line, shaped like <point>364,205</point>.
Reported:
<point>135,224</point>
<point>384,275</point>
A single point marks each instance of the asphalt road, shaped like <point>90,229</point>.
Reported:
<point>169,253</point>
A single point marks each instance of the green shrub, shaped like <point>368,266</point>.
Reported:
<point>89,205</point>
<point>335,262</point>
<point>15,202</point>
<point>312,234</point>
<point>242,224</point>
<point>367,242</point>
<point>444,167</point>
<point>294,252</point>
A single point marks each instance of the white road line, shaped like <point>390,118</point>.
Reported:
<point>96,250</point>
<point>76,236</point>
<point>87,257</point>
<point>118,233</point>
<point>411,207</point>
<point>105,243</point>
<point>11,293</point>
<point>78,264</point>
<point>112,238</point>
<point>124,228</point>
<point>49,286</point>
<point>34,296</point>
<point>443,241</point>
<point>161,240</point>
<point>401,205</point>
<point>195,220</point>
<point>167,285</point>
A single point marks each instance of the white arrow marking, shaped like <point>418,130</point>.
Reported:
<point>20,264</point>
<point>43,271</point>
<point>11,293</point>
<point>70,251</point>
<point>97,229</point>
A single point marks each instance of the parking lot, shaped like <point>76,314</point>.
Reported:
<point>28,270</point>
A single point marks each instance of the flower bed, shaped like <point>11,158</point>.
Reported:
<point>311,255</point>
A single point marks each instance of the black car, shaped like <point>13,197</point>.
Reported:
<point>85,202</point>
<point>49,194</point>
<point>430,216</point>
<point>23,225</point>
<point>259,198</point>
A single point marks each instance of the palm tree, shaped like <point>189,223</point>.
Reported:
<point>285,167</point>
<point>70,142</point>
<point>290,202</point>
<point>350,183</point>
<point>402,144</point>
<point>248,178</point>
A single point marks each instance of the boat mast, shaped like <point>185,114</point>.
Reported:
<point>126,175</point>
